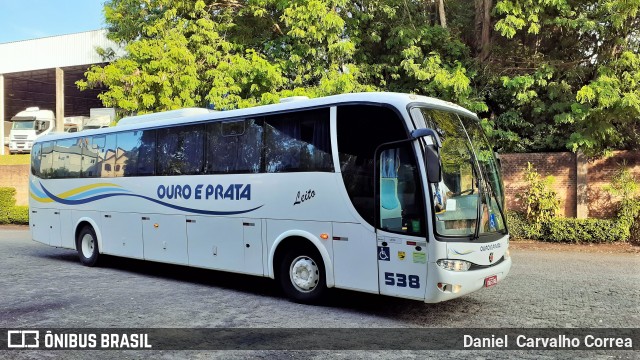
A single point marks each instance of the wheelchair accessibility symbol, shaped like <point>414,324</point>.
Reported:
<point>383,253</point>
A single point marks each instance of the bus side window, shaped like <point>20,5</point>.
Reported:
<point>298,141</point>
<point>147,152</point>
<point>36,158</point>
<point>180,150</point>
<point>107,157</point>
<point>90,155</point>
<point>46,158</point>
<point>234,146</point>
<point>67,157</point>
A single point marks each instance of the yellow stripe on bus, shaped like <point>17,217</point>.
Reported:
<point>39,199</point>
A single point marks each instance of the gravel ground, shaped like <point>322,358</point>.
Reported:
<point>47,288</point>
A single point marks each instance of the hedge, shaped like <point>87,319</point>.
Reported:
<point>584,230</point>
<point>7,203</point>
<point>9,212</point>
<point>624,227</point>
<point>19,215</point>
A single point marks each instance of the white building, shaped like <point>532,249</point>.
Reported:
<point>42,72</point>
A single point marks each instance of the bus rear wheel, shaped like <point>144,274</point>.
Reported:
<point>87,246</point>
<point>302,275</point>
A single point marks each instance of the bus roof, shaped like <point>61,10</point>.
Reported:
<point>398,100</point>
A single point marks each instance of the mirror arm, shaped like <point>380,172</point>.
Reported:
<point>418,133</point>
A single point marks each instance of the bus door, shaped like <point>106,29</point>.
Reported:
<point>401,228</point>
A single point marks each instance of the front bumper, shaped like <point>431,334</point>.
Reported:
<point>469,281</point>
<point>20,146</point>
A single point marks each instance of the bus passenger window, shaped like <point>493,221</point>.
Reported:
<point>135,154</point>
<point>234,147</point>
<point>46,159</point>
<point>36,157</point>
<point>180,150</point>
<point>106,156</point>
<point>67,155</point>
<point>298,141</point>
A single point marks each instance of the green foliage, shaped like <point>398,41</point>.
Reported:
<point>628,213</point>
<point>520,228</point>
<point>19,215</point>
<point>583,230</point>
<point>568,230</point>
<point>540,200</point>
<point>557,74</point>
<point>7,203</point>
<point>540,222</point>
<point>233,54</point>
<point>9,212</point>
<point>570,74</point>
<point>623,184</point>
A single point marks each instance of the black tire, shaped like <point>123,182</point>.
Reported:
<point>87,246</point>
<point>311,285</point>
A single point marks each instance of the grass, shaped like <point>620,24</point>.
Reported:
<point>18,159</point>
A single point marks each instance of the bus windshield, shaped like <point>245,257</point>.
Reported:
<point>469,201</point>
<point>23,125</point>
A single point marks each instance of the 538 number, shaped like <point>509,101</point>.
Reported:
<point>402,280</point>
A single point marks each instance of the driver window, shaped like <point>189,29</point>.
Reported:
<point>400,193</point>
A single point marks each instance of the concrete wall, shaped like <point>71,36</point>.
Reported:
<point>16,176</point>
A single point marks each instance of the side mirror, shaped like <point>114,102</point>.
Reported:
<point>433,165</point>
<point>432,158</point>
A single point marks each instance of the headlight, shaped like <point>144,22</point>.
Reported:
<point>454,265</point>
<point>507,254</point>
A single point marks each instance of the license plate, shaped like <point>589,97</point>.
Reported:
<point>490,281</point>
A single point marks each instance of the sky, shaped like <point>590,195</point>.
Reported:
<point>32,19</point>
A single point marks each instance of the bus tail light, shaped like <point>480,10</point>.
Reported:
<point>454,265</point>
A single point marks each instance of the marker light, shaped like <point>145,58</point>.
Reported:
<point>454,265</point>
<point>324,236</point>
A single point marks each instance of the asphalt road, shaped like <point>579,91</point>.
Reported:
<point>45,287</point>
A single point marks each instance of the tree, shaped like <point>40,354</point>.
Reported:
<point>571,71</point>
<point>545,75</point>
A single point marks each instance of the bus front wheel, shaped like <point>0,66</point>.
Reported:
<point>302,275</point>
<point>87,246</point>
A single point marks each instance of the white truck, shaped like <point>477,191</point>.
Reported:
<point>74,123</point>
<point>100,118</point>
<point>27,126</point>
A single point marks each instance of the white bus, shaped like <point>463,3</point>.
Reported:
<point>384,193</point>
